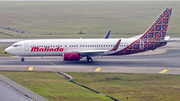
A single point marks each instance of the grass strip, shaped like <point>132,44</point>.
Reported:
<point>94,19</point>
<point>134,87</point>
<point>53,87</point>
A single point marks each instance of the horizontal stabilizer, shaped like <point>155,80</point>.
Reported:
<point>166,39</point>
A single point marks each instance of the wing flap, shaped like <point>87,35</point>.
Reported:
<point>99,52</point>
<point>92,52</point>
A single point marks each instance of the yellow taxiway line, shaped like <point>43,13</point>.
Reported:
<point>30,68</point>
<point>52,64</point>
<point>47,62</point>
<point>97,69</point>
<point>165,70</point>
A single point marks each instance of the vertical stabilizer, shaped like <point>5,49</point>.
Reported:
<point>107,35</point>
<point>151,39</point>
<point>157,31</point>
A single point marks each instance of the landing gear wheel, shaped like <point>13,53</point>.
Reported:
<point>89,59</point>
<point>22,59</point>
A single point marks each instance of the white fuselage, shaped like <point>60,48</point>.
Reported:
<point>56,47</point>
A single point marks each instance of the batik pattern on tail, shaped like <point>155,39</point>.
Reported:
<point>152,38</point>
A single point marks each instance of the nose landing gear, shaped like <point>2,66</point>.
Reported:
<point>22,59</point>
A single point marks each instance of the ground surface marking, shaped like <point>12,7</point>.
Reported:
<point>165,70</point>
<point>97,69</point>
<point>30,68</point>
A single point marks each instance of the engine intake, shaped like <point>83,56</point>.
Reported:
<point>71,56</point>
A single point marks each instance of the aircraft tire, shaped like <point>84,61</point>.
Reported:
<point>89,60</point>
<point>22,59</point>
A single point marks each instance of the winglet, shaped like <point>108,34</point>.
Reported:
<point>107,35</point>
<point>116,46</point>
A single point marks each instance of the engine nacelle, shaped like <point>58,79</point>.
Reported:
<point>71,56</point>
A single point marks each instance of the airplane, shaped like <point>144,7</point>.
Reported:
<point>107,35</point>
<point>75,49</point>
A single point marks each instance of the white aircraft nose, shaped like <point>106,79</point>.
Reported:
<point>8,50</point>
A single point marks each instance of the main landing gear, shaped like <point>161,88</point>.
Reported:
<point>22,59</point>
<point>89,59</point>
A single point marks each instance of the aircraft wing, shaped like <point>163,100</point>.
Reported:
<point>92,52</point>
<point>99,52</point>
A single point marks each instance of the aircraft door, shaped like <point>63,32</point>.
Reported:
<point>26,46</point>
<point>141,44</point>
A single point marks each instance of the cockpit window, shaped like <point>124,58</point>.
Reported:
<point>15,45</point>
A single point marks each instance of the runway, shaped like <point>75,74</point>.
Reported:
<point>162,60</point>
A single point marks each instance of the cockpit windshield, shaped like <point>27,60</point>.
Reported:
<point>15,45</point>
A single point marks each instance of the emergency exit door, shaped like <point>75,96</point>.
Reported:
<point>26,46</point>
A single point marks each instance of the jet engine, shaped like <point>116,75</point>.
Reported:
<point>71,56</point>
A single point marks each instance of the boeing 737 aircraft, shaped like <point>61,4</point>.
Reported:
<point>75,49</point>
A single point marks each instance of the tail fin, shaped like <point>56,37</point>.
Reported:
<point>157,31</point>
<point>153,38</point>
<point>107,35</point>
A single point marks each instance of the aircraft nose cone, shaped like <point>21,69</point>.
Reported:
<point>8,50</point>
